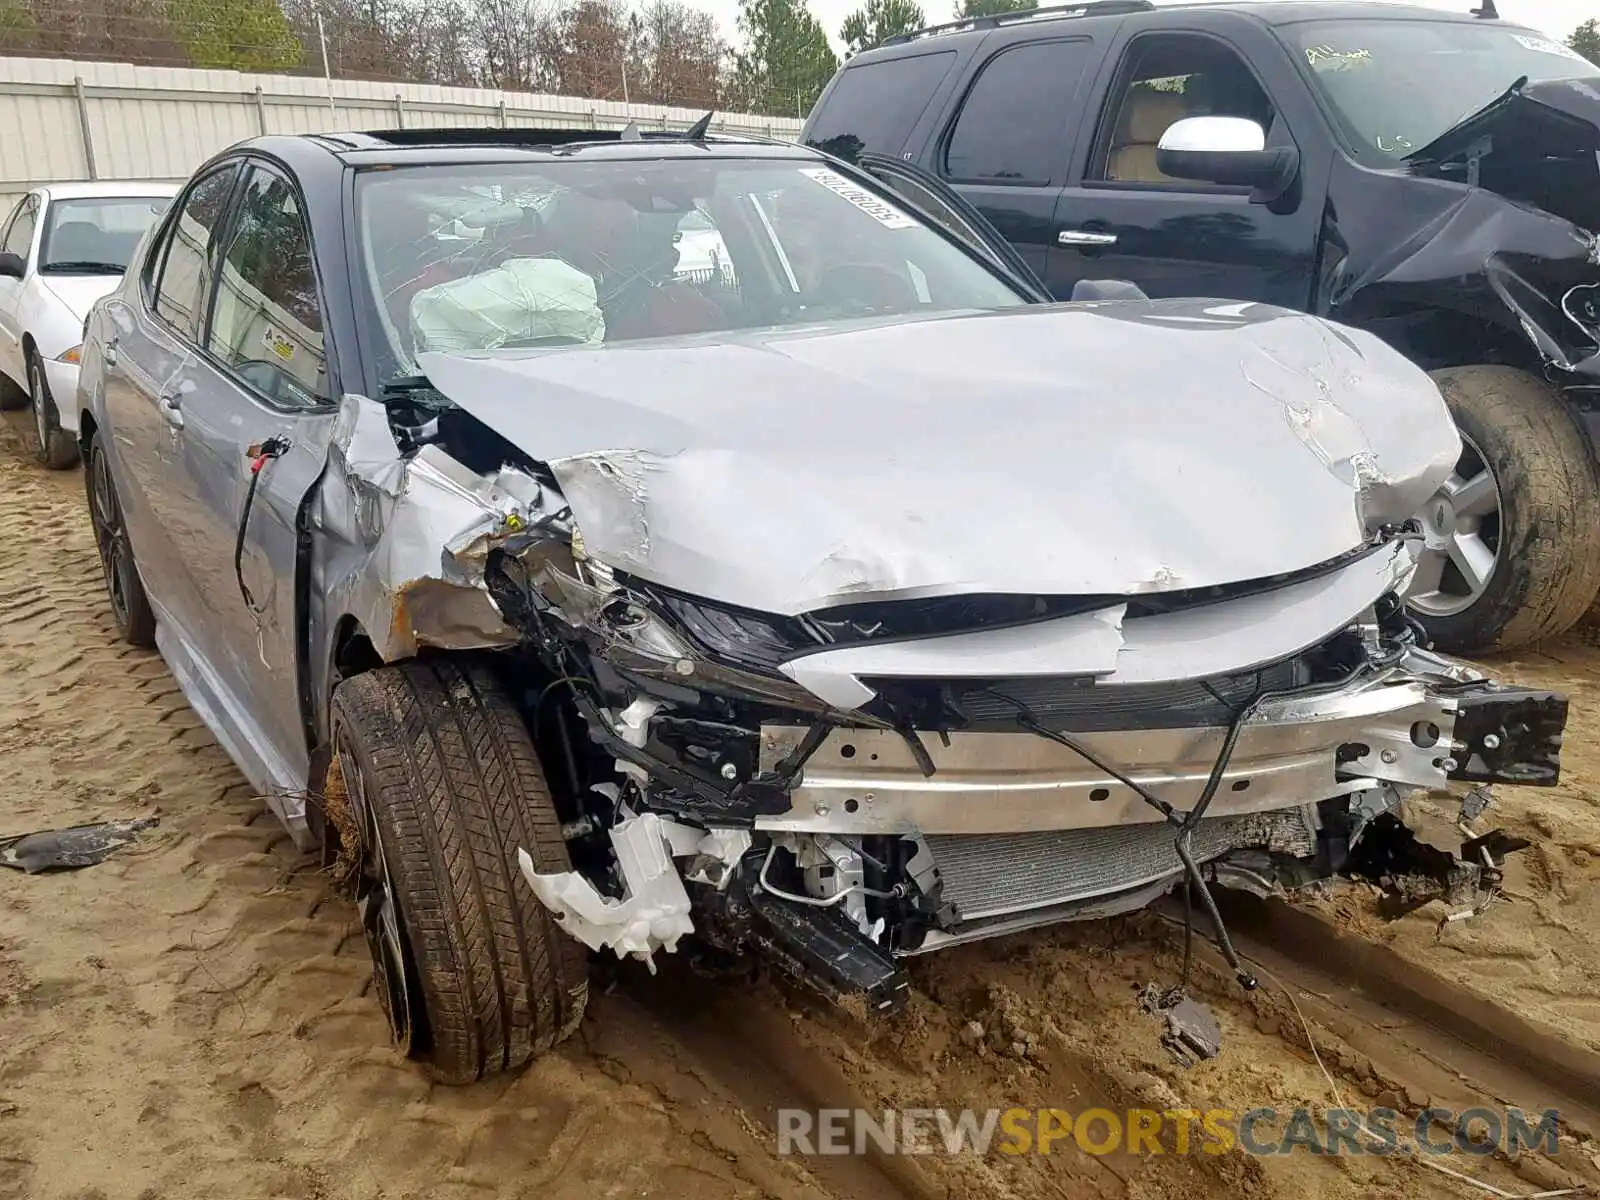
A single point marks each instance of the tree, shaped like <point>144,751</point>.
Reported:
<point>966,9</point>
<point>786,60</point>
<point>244,35</point>
<point>680,55</point>
<point>1585,40</point>
<point>877,20</point>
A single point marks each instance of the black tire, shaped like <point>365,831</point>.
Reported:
<point>130,607</point>
<point>54,447</point>
<point>445,786</point>
<point>1547,532</point>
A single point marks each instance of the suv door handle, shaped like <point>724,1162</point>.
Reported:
<point>171,408</point>
<point>1085,237</point>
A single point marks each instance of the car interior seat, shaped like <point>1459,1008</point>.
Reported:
<point>1146,115</point>
<point>78,241</point>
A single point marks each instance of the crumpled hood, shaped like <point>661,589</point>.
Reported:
<point>1058,450</point>
<point>1541,142</point>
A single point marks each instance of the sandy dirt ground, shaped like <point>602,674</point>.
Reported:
<point>193,1017</point>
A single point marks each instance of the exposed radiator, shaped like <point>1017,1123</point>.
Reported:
<point>995,874</point>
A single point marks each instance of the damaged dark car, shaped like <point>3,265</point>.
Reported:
<point>604,543</point>
<point>1428,176</point>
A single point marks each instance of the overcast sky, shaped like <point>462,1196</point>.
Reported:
<point>1556,17</point>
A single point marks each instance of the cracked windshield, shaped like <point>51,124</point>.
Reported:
<point>1398,85</point>
<point>577,254</point>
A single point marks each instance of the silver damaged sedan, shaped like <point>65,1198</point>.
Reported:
<point>834,603</point>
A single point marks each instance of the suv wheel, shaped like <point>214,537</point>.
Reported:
<point>1513,536</point>
<point>56,448</point>
<point>444,787</point>
<point>130,607</point>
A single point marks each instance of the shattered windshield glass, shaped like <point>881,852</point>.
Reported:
<point>564,253</point>
<point>1398,85</point>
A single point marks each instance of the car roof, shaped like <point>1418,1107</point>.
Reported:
<point>109,188</point>
<point>1268,12</point>
<point>419,147</point>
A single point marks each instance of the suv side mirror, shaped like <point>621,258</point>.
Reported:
<point>1228,150</point>
<point>11,265</point>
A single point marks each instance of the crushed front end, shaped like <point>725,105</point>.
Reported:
<point>842,789</point>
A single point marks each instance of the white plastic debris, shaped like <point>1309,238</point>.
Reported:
<point>654,913</point>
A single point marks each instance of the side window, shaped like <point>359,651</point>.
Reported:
<point>1011,124</point>
<point>1167,78</point>
<point>266,327</point>
<point>19,238</point>
<point>185,273</point>
<point>876,105</point>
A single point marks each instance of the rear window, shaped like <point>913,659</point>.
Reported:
<point>875,105</point>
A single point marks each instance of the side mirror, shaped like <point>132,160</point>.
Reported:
<point>1107,289</point>
<point>11,265</point>
<point>1228,150</point>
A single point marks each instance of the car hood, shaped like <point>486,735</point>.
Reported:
<point>1109,449</point>
<point>79,292</point>
<point>1539,144</point>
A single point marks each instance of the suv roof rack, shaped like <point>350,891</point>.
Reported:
<point>1054,12</point>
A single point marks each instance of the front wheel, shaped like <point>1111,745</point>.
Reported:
<point>1512,551</point>
<point>444,787</point>
<point>55,448</point>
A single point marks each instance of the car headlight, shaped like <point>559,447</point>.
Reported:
<point>71,356</point>
<point>751,640</point>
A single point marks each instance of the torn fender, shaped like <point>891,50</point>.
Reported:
<point>409,538</point>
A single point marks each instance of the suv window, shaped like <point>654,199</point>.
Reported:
<point>1011,124</point>
<point>875,105</point>
<point>185,273</point>
<point>19,238</point>
<point>1170,77</point>
<point>266,322</point>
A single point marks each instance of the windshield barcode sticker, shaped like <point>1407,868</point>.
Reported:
<point>881,211</point>
<point>1546,46</point>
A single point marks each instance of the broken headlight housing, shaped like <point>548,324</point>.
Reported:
<point>756,641</point>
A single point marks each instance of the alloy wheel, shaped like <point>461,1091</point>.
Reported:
<point>1462,534</point>
<point>379,911</point>
<point>116,559</point>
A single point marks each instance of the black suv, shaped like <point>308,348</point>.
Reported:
<point>1430,177</point>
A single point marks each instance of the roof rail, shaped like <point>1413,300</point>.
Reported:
<point>532,136</point>
<point>1054,12</point>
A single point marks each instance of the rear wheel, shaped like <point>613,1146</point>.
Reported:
<point>444,787</point>
<point>130,607</point>
<point>55,448</point>
<point>1513,536</point>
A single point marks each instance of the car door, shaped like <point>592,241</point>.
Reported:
<point>928,195</point>
<point>18,239</point>
<point>262,383</point>
<point>1008,147</point>
<point>151,356</point>
<point>1122,218</point>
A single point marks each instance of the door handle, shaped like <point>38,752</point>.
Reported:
<point>109,352</point>
<point>1085,237</point>
<point>171,408</point>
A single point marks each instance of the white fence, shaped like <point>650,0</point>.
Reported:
<point>62,120</point>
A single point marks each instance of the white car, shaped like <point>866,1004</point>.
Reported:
<point>62,248</point>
